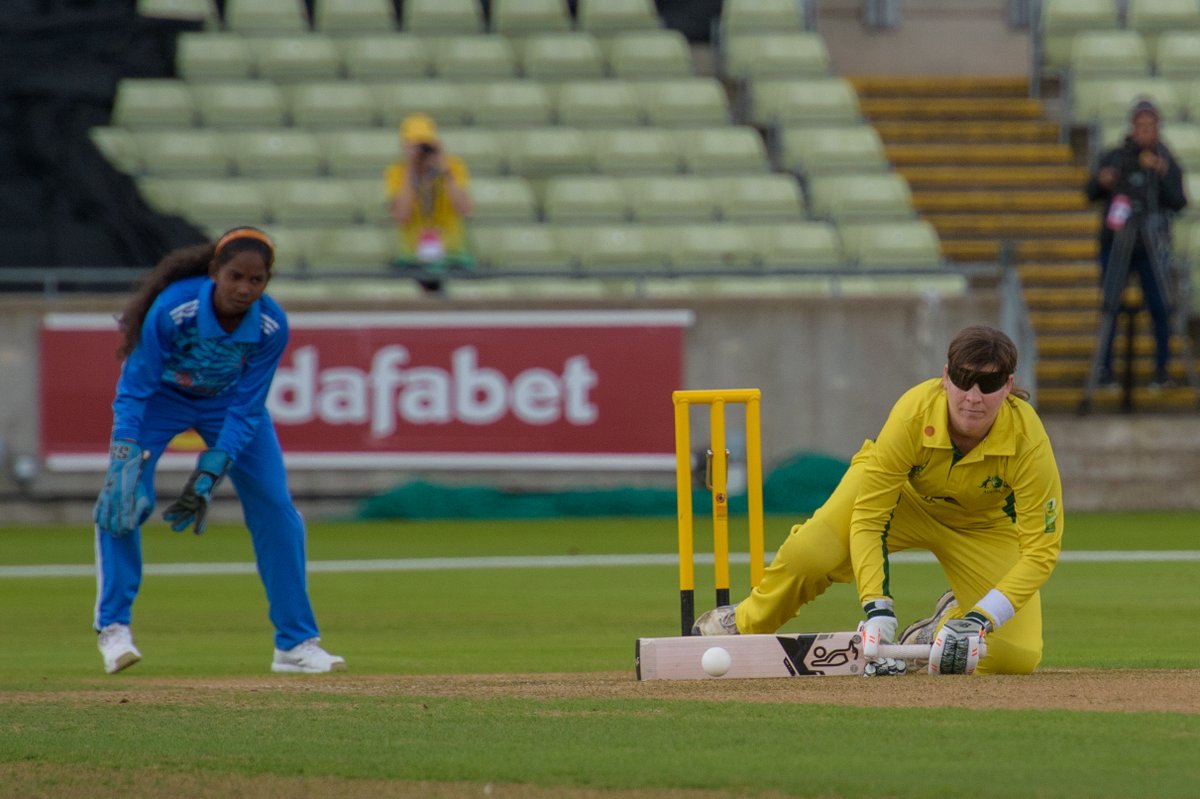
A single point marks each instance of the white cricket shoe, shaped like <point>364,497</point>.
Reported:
<point>307,657</point>
<point>721,620</point>
<point>116,647</point>
<point>923,630</point>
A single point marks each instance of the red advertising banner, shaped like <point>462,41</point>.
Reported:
<point>530,389</point>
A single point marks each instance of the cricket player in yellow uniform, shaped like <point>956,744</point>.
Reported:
<point>963,468</point>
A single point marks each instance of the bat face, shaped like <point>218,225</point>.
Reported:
<point>785,655</point>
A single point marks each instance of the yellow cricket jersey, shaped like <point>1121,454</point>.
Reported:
<point>1007,485</point>
<point>437,212</point>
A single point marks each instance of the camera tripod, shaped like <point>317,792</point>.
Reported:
<point>1151,229</point>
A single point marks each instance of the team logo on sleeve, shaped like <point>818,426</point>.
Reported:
<point>1051,515</point>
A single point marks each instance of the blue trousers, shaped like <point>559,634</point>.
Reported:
<point>1156,303</point>
<point>276,527</point>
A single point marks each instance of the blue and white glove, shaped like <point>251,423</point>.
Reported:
<point>123,503</point>
<point>960,644</point>
<point>879,628</point>
<point>192,505</point>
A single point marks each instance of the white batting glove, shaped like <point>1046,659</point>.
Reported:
<point>959,645</point>
<point>879,628</point>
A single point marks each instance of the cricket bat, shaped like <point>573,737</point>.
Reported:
<point>782,655</point>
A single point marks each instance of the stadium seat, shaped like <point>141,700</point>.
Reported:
<point>597,103</point>
<point>444,100</point>
<point>292,247</point>
<point>760,56</point>
<point>583,199</point>
<point>359,152</point>
<point>911,244</point>
<point>727,149</point>
<point>277,153</point>
<point>545,151</point>
<point>561,56</point>
<point>817,101</point>
<point>241,104</point>
<point>213,56</point>
<point>1178,57</point>
<point>293,58</point>
<point>1108,54</point>
<point>519,248</point>
<point>526,17</point>
<point>203,10</point>
<point>153,103</point>
<point>332,104</point>
<point>352,248</point>
<point>881,284</point>
<point>684,101</point>
<point>354,17</point>
<point>1154,18</point>
<point>798,245</point>
<point>1183,139</point>
<point>195,153</point>
<point>266,16</point>
<point>859,198</point>
<point>474,57</point>
<point>213,203</point>
<point>749,198</point>
<point>371,200</point>
<point>635,151</point>
<point>606,248</point>
<point>671,198</point>
<point>120,147</point>
<point>648,54</point>
<point>1108,100</point>
<point>441,17</point>
<point>316,201</point>
<point>502,200</point>
<point>1060,20</point>
<point>813,151</point>
<point>509,103</point>
<point>707,247</point>
<point>482,149</point>
<point>606,17</point>
<point>395,56</point>
<point>759,16</point>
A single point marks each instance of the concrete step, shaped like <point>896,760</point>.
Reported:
<point>1013,202</point>
<point>1012,155</point>
<point>1059,274</point>
<point>1073,372</point>
<point>905,131</point>
<point>1057,176</point>
<point>1011,226</point>
<point>941,85</point>
<point>1082,345</point>
<point>1066,298</point>
<point>1179,400</point>
<point>997,108</point>
<point>1028,250</point>
<point>1065,321</point>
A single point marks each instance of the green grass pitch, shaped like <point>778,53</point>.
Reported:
<point>202,707</point>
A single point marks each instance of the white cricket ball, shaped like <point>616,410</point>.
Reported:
<point>715,661</point>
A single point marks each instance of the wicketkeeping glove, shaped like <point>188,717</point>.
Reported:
<point>123,503</point>
<point>879,628</point>
<point>192,505</point>
<point>960,645</point>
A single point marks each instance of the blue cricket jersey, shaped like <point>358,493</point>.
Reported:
<point>184,350</point>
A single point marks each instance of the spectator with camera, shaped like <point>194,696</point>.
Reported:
<point>430,201</point>
<point>1139,182</point>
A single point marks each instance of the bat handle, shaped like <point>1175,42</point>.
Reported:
<point>905,651</point>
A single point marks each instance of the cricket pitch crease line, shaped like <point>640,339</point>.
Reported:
<point>539,562</point>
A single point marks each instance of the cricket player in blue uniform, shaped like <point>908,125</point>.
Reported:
<point>201,345</point>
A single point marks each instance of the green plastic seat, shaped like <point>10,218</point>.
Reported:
<point>275,17</point>
<point>296,57</point>
<point>597,103</point>
<point>814,101</point>
<point>722,150</point>
<point>680,102</point>
<point>204,56</point>
<point>760,56</point>
<point>474,57</point>
<point>441,17</point>
<point>911,244</point>
<point>380,57</point>
<point>861,197</point>
<point>283,153</point>
<point>635,151</point>
<point>502,200</point>
<point>672,198</point>
<point>241,104</point>
<point>332,104</point>
<point>142,103</point>
<point>354,17</point>
<point>446,101</point>
<point>194,153</point>
<point>606,17</point>
<point>649,54</point>
<point>584,199</point>
<point>561,56</point>
<point>766,197</point>
<point>814,151</point>
<point>526,17</point>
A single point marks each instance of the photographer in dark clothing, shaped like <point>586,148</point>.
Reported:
<point>1140,182</point>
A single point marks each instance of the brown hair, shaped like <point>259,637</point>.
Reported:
<point>981,345</point>
<point>184,262</point>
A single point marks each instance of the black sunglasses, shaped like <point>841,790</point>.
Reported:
<point>965,379</point>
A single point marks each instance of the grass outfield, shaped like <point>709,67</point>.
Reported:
<point>202,715</point>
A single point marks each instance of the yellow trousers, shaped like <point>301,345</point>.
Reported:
<point>817,554</point>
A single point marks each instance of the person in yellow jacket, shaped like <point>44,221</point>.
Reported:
<point>429,200</point>
<point>963,468</point>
